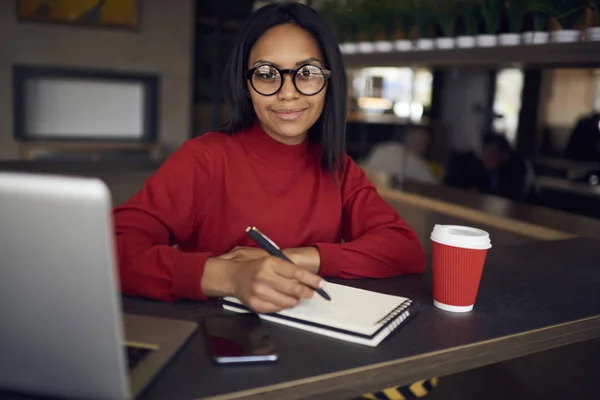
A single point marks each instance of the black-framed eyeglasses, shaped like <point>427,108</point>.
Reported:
<point>308,79</point>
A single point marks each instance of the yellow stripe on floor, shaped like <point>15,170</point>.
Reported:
<point>369,396</point>
<point>418,389</point>
<point>393,394</point>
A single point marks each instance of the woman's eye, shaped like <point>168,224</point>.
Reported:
<point>309,72</point>
<point>266,75</point>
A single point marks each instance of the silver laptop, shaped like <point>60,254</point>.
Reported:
<point>62,332</point>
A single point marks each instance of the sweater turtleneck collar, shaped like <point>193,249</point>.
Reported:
<point>257,141</point>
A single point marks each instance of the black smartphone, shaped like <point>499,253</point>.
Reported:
<point>238,338</point>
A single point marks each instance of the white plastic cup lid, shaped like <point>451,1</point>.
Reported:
<point>461,236</point>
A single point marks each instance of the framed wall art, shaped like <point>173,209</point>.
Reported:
<point>103,13</point>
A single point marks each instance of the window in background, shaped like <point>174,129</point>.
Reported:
<point>571,95</point>
<point>404,92</point>
<point>507,102</point>
<point>597,90</point>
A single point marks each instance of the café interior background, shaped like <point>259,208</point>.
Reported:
<point>402,83</point>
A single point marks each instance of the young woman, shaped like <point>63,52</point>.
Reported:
<point>279,165</point>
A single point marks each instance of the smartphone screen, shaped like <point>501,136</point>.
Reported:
<point>238,338</point>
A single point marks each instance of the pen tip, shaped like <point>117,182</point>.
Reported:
<point>324,294</point>
<point>248,229</point>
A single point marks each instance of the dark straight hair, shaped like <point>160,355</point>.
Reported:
<point>330,129</point>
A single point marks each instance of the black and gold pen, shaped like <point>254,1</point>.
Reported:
<point>270,247</point>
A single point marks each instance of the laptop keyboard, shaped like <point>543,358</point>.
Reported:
<point>135,355</point>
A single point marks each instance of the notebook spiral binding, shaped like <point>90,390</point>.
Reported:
<point>407,309</point>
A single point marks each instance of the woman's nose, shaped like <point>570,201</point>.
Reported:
<point>288,90</point>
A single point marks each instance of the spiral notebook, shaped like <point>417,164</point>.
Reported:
<point>354,315</point>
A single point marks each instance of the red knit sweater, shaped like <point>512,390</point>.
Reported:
<point>205,195</point>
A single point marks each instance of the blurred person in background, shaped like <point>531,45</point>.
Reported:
<point>402,159</point>
<point>499,171</point>
<point>584,143</point>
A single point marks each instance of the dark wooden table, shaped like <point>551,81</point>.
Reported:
<point>533,297</point>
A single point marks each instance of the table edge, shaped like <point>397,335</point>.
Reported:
<point>352,382</point>
<point>508,224</point>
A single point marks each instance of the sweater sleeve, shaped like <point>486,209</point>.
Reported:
<point>377,243</point>
<point>161,215</point>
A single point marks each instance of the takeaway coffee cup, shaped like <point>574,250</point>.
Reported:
<point>458,257</point>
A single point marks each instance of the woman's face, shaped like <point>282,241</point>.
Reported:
<point>287,115</point>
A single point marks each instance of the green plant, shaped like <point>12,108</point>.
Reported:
<point>568,12</point>
<point>540,21</point>
<point>492,11</point>
<point>424,16</point>
<point>341,19</point>
<point>384,14</point>
<point>447,16</point>
<point>538,11</point>
<point>404,16</point>
<point>515,11</point>
<point>330,12</point>
<point>375,17</point>
<point>363,15</point>
<point>471,14</point>
<point>344,19</point>
<point>596,9</point>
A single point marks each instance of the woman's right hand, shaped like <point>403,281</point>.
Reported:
<point>266,284</point>
<point>270,284</point>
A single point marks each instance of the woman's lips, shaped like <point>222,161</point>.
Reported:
<point>290,114</point>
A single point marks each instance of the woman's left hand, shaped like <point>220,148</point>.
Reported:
<point>305,257</point>
<point>242,253</point>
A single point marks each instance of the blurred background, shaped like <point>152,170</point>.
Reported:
<point>490,96</point>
